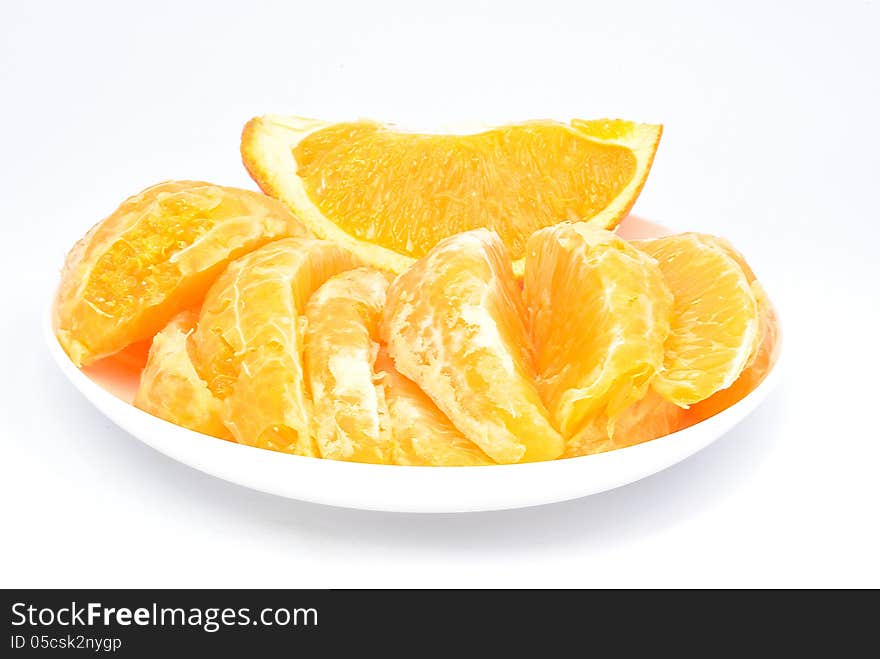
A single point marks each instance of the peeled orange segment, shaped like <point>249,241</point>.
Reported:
<point>389,196</point>
<point>154,256</point>
<point>650,418</point>
<point>422,434</point>
<point>715,322</point>
<point>760,364</point>
<point>453,324</point>
<point>248,342</point>
<point>766,314</point>
<point>171,389</point>
<point>598,314</point>
<point>341,344</point>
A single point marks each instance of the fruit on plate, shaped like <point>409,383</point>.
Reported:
<point>350,418</point>
<point>714,327</point>
<point>154,256</point>
<point>248,342</point>
<point>598,313</point>
<point>419,299</point>
<point>422,434</point>
<point>389,196</point>
<point>454,325</point>
<point>171,389</point>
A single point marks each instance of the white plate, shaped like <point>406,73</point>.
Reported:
<point>395,488</point>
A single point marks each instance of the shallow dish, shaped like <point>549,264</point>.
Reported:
<point>397,488</point>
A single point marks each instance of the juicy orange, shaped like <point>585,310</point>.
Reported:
<point>760,363</point>
<point>363,409</point>
<point>715,322</point>
<point>341,343</point>
<point>390,196</point>
<point>248,342</point>
<point>453,324</point>
<point>598,314</point>
<point>651,417</point>
<point>154,256</point>
<point>171,389</point>
<point>422,434</point>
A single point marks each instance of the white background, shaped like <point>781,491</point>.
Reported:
<point>771,116</point>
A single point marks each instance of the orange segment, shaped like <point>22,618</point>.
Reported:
<point>650,418</point>
<point>454,325</point>
<point>760,364</point>
<point>714,322</point>
<point>422,434</point>
<point>390,196</point>
<point>598,313</point>
<point>171,389</point>
<point>766,315</point>
<point>248,342</point>
<point>341,343</point>
<point>154,256</point>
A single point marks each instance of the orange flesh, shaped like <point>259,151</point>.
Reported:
<point>341,343</point>
<point>171,389</point>
<point>422,434</point>
<point>715,319</point>
<point>454,325</point>
<point>598,312</point>
<point>248,342</point>
<point>156,255</point>
<point>400,190</point>
<point>762,361</point>
<point>651,417</point>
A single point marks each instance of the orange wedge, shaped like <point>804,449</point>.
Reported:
<point>171,389</point>
<point>154,256</point>
<point>598,314</point>
<point>453,324</point>
<point>715,319</point>
<point>760,363</point>
<point>248,342</point>
<point>650,418</point>
<point>422,434</point>
<point>341,343</point>
<point>389,196</point>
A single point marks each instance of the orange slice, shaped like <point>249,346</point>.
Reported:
<point>171,389</point>
<point>422,434</point>
<point>598,314</point>
<point>715,320</point>
<point>453,324</point>
<point>154,256</point>
<point>389,196</point>
<point>248,342</point>
<point>760,363</point>
<point>341,343</point>
<point>650,418</point>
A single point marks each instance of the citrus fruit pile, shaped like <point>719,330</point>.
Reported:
<point>412,299</point>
